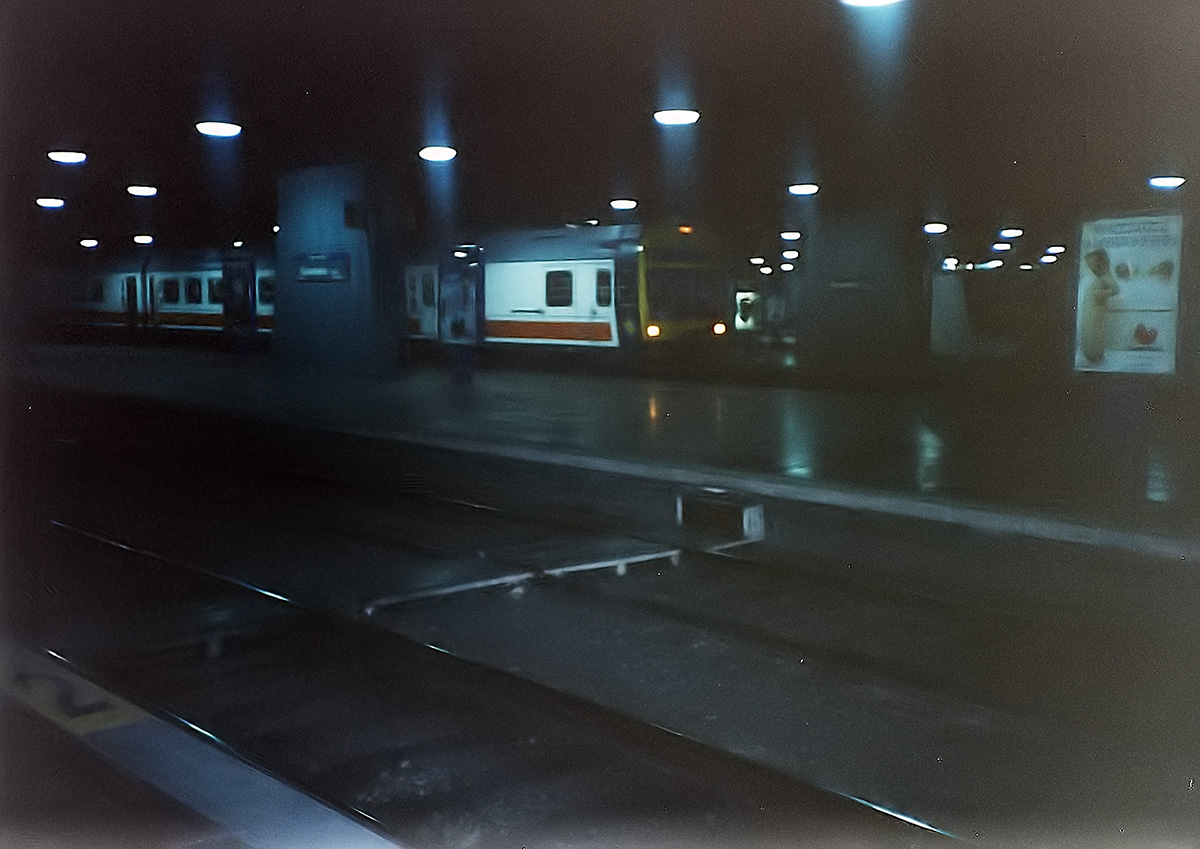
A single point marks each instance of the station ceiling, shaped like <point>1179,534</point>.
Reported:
<point>983,113</point>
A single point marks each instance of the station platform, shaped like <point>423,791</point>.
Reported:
<point>1105,462</point>
<point>80,766</point>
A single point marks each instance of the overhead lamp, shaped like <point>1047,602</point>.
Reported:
<point>67,157</point>
<point>51,203</point>
<point>866,4</point>
<point>950,263</point>
<point>143,240</point>
<point>787,266</point>
<point>791,254</point>
<point>766,269</point>
<point>1025,266</point>
<point>686,229</point>
<point>757,260</point>
<point>275,229</point>
<point>460,254</point>
<point>790,235</point>
<point>1166,183</point>
<point>1056,249</point>
<point>995,263</point>
<point>623,204</point>
<point>88,243</point>
<point>676,117</point>
<point>936,228</point>
<point>1002,246</point>
<point>142,191</point>
<point>592,222</point>
<point>238,243</point>
<point>1048,258</point>
<point>437,153</point>
<point>719,328</point>
<point>218,129</point>
<point>804,189</point>
<point>1011,233</point>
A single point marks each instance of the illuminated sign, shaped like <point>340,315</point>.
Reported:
<point>323,268</point>
<point>1127,294</point>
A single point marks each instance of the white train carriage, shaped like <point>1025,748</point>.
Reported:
<point>550,302</point>
<point>173,293</point>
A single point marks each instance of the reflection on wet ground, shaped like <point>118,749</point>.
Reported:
<point>1116,453</point>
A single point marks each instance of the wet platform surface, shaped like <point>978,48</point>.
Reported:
<point>1117,455</point>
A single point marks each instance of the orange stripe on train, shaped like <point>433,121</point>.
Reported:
<point>572,331</point>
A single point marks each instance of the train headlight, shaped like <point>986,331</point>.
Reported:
<point>719,328</point>
<point>653,330</point>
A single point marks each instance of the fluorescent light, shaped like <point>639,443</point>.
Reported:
<point>1166,183</point>
<point>790,235</point>
<point>869,3</point>
<point>1048,258</point>
<point>88,243</point>
<point>1011,233</point>
<point>1056,249</point>
<point>437,153</point>
<point>995,263</point>
<point>67,157</point>
<point>1026,267</point>
<point>766,269</point>
<point>791,254</point>
<point>143,240</point>
<point>460,254</point>
<point>51,203</point>
<point>1002,246</point>
<point>757,260</point>
<point>220,129</point>
<point>787,266</point>
<point>950,263</point>
<point>623,204</point>
<point>676,117</point>
<point>238,243</point>
<point>804,189</point>
<point>142,191</point>
<point>936,228</point>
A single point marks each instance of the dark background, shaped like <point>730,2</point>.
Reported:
<point>987,114</point>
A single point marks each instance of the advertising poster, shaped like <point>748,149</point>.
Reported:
<point>1127,299</point>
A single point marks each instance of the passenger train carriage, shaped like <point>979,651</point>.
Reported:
<point>204,292</point>
<point>597,286</point>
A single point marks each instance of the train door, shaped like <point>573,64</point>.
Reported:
<point>420,285</point>
<point>458,303</point>
<point>239,299</point>
<point>131,301</point>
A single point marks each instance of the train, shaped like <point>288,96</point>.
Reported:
<point>589,286</point>
<point>194,293</point>
<point>593,286</point>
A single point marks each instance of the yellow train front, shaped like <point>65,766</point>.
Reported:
<point>606,287</point>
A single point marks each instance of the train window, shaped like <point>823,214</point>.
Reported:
<point>559,289</point>
<point>95,292</point>
<point>169,291</point>
<point>266,290</point>
<point>216,290</point>
<point>604,290</point>
<point>191,291</point>
<point>427,288</point>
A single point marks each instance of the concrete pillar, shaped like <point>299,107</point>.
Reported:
<point>338,303</point>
